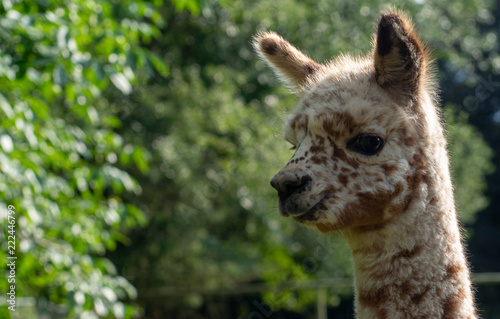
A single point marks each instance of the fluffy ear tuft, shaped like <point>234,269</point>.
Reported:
<point>291,65</point>
<point>400,61</point>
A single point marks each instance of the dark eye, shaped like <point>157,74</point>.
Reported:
<point>366,144</point>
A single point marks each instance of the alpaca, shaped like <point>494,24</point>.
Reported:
<point>371,162</point>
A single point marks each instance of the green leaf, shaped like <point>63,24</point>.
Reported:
<point>158,64</point>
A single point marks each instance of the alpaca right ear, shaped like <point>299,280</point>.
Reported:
<point>400,60</point>
<point>291,65</point>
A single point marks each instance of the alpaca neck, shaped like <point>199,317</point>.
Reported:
<point>412,266</point>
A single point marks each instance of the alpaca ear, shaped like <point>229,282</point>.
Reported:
<point>399,57</point>
<point>291,65</point>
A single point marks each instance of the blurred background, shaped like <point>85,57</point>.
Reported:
<point>137,140</point>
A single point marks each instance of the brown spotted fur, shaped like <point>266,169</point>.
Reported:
<point>395,208</point>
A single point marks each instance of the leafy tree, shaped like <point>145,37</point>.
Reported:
<point>61,164</point>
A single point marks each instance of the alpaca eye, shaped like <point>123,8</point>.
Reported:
<point>366,144</point>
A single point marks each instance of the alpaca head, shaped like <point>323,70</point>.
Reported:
<point>358,129</point>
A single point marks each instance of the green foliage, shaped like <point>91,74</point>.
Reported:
<point>60,160</point>
<point>466,146</point>
<point>192,6</point>
<point>209,232</point>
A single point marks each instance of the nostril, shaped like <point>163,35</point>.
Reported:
<point>288,184</point>
<point>290,189</point>
<point>293,185</point>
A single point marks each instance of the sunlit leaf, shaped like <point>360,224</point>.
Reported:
<point>121,83</point>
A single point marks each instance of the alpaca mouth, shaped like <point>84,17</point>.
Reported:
<point>302,214</point>
<point>311,215</point>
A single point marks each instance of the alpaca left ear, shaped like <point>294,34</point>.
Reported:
<point>399,58</point>
<point>292,66</point>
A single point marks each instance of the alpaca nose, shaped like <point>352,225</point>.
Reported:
<point>289,183</point>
